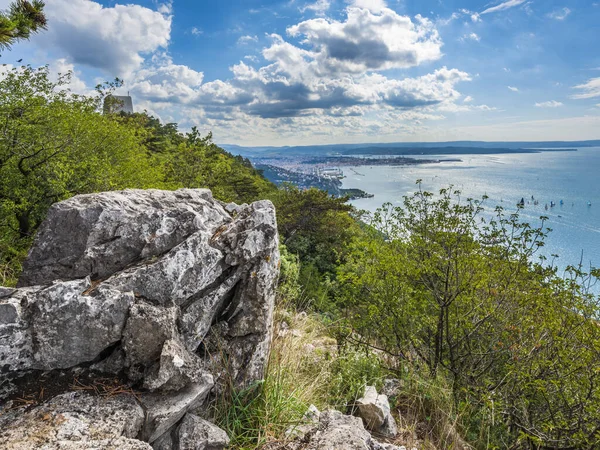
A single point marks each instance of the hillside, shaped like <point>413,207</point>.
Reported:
<point>151,311</point>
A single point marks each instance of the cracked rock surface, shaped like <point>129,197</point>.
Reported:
<point>157,287</point>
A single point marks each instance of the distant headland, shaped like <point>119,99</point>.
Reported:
<point>411,148</point>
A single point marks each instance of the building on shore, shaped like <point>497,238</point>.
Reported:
<point>330,172</point>
<point>114,104</point>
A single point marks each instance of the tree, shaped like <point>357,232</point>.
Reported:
<point>199,163</point>
<point>314,225</point>
<point>54,144</point>
<point>436,283</point>
<point>21,20</point>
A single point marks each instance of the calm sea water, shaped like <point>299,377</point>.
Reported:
<point>573,177</point>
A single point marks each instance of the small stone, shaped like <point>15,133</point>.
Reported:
<point>195,433</point>
<point>375,411</point>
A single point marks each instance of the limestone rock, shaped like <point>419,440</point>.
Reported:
<point>16,345</point>
<point>77,420</point>
<point>165,442</point>
<point>375,411</point>
<point>70,327</point>
<point>161,288</point>
<point>60,326</point>
<point>195,433</point>
<point>148,328</point>
<point>251,237</point>
<point>165,410</point>
<point>336,431</point>
<point>176,368</point>
<point>178,275</point>
<point>98,235</point>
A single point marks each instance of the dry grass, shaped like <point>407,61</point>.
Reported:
<point>103,387</point>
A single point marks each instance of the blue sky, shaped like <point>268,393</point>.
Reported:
<point>266,72</point>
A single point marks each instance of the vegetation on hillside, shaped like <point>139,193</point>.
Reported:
<point>445,294</point>
<point>55,144</point>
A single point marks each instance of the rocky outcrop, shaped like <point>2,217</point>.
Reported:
<point>332,430</point>
<point>194,433</point>
<point>375,411</point>
<point>171,290</point>
<point>76,421</point>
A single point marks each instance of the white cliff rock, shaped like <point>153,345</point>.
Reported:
<point>159,287</point>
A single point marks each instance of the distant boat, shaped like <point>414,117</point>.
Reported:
<point>522,202</point>
<point>546,207</point>
<point>589,203</point>
<point>552,204</point>
<point>562,203</point>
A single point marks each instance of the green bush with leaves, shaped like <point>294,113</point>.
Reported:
<point>442,284</point>
<point>55,144</point>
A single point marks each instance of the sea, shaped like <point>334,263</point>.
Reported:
<point>570,176</point>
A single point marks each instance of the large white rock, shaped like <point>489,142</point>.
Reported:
<point>77,421</point>
<point>374,409</point>
<point>61,325</point>
<point>100,234</point>
<point>171,289</point>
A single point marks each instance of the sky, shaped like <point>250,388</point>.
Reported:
<point>306,72</point>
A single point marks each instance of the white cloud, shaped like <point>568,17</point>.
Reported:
<point>506,69</point>
<point>162,81</point>
<point>76,85</point>
<point>321,86</point>
<point>514,89</point>
<point>368,41</point>
<point>591,89</point>
<point>319,7</point>
<point>197,31</point>
<point>113,39</point>
<point>475,17</point>
<point>449,20</point>
<point>504,5</point>
<point>560,14</point>
<point>325,80</point>
<point>165,8</point>
<point>470,37</point>
<point>454,108</point>
<point>375,6</point>
<point>468,99</point>
<point>549,104</point>
<point>247,39</point>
